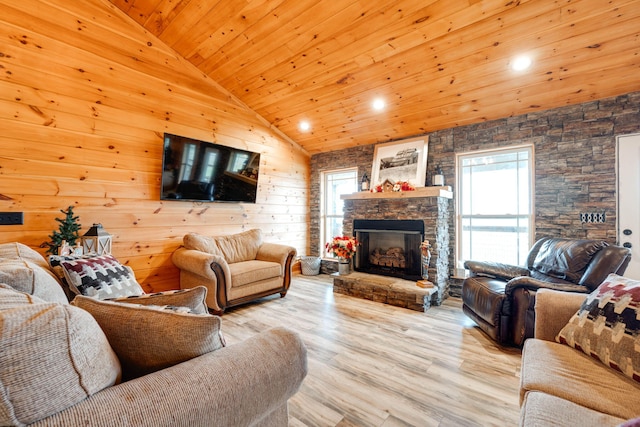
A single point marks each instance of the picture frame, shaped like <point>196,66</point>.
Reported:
<point>402,160</point>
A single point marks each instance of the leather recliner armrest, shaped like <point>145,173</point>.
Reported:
<point>495,269</point>
<point>534,284</point>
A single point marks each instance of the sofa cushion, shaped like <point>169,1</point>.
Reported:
<point>541,409</point>
<point>566,259</point>
<point>607,325</point>
<point>194,299</point>
<point>149,338</point>
<point>243,273</point>
<point>52,356</point>
<point>101,277</point>
<point>567,373</point>
<point>26,270</point>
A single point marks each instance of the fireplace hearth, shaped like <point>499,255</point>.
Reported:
<point>389,247</point>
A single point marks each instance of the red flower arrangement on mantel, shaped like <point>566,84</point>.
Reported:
<point>398,186</point>
<point>342,247</point>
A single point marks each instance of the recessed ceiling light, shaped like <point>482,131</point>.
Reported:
<point>378,104</point>
<point>304,126</point>
<point>521,63</point>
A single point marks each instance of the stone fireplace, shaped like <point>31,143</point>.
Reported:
<point>389,247</point>
<point>429,205</point>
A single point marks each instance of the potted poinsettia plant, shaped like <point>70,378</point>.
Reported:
<point>343,247</point>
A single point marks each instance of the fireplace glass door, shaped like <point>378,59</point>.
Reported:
<point>389,248</point>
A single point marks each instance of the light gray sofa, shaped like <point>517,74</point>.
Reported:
<point>235,268</point>
<point>561,386</point>
<point>245,384</point>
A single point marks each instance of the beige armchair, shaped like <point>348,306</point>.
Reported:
<point>236,268</point>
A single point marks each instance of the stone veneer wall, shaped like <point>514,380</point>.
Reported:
<point>574,162</point>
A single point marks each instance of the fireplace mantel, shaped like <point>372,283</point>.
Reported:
<point>444,191</point>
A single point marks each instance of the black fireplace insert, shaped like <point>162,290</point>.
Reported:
<point>389,247</point>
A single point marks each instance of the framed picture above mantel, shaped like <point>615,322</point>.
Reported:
<point>404,160</point>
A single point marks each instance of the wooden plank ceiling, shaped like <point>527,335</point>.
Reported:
<point>437,63</point>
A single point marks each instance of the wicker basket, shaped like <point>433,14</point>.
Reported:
<point>310,265</point>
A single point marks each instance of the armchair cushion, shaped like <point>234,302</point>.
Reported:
<point>233,248</point>
<point>607,325</point>
<point>52,356</point>
<point>247,272</point>
<point>150,338</point>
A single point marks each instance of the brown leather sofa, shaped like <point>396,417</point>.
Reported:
<point>500,298</point>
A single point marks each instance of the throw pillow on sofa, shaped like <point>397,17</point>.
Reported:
<point>52,356</point>
<point>193,298</point>
<point>100,277</point>
<point>607,324</point>
<point>54,265</point>
<point>149,338</point>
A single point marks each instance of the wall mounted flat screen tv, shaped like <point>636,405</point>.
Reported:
<point>194,170</point>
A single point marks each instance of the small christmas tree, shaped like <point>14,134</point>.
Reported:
<point>69,227</point>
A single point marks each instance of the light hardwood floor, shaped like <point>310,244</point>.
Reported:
<point>372,364</point>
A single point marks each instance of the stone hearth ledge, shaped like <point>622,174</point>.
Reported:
<point>388,290</point>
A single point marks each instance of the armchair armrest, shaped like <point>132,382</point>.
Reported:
<point>275,252</point>
<point>281,254</point>
<point>495,269</point>
<point>199,268</point>
<point>238,385</point>
<point>553,311</point>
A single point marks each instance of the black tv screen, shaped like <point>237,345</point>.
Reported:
<point>202,171</point>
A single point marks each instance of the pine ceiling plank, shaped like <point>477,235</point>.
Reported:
<point>235,27</point>
<point>179,23</point>
<point>140,10</point>
<point>479,40</point>
<point>493,106</point>
<point>344,35</point>
<point>348,70</point>
<point>264,44</point>
<point>466,61</point>
<point>432,61</point>
<point>163,14</point>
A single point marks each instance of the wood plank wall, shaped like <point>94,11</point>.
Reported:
<point>85,97</point>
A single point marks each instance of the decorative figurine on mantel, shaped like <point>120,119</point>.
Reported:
<point>425,258</point>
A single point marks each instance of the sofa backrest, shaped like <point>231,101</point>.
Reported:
<point>27,271</point>
<point>233,248</point>
<point>562,258</point>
